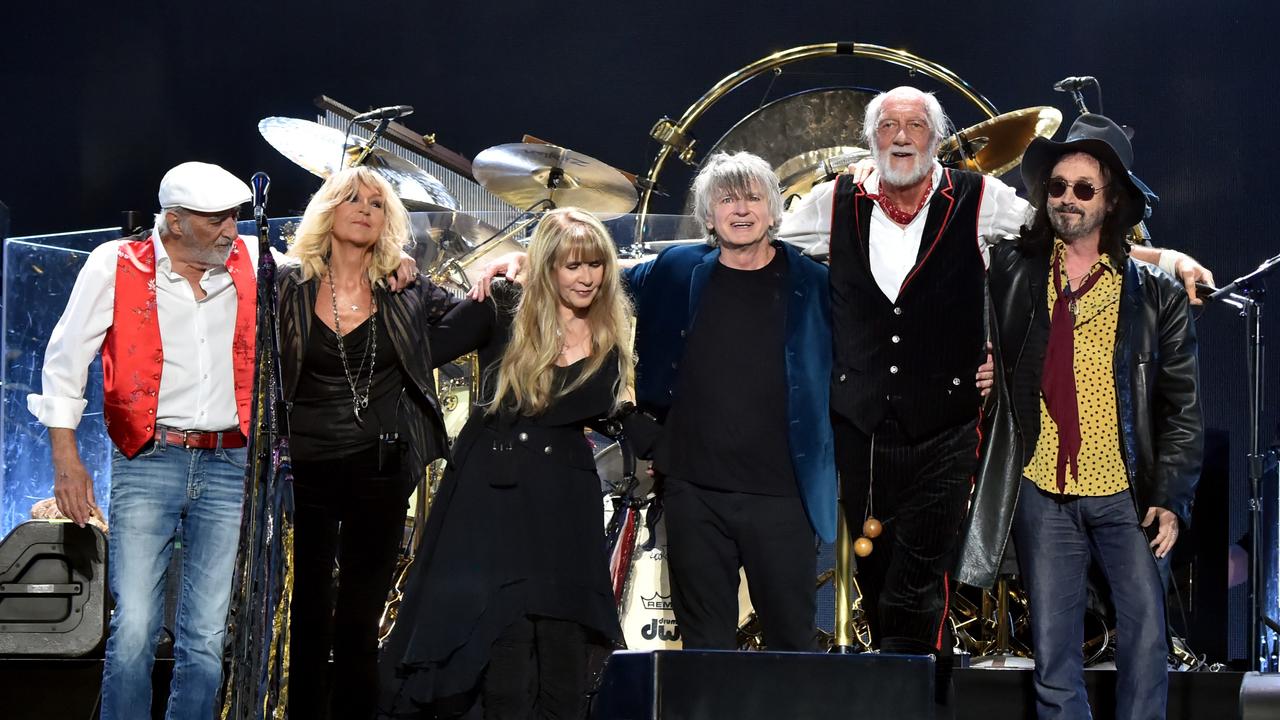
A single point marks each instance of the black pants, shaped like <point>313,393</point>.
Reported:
<point>713,533</point>
<point>919,493</point>
<point>351,510</point>
<point>538,668</point>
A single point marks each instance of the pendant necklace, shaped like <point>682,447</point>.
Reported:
<point>359,402</point>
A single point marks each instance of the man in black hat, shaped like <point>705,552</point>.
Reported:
<point>1101,373</point>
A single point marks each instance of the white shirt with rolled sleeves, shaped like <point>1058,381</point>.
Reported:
<point>893,249</point>
<point>197,388</point>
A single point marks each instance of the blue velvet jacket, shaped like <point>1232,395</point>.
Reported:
<point>667,291</point>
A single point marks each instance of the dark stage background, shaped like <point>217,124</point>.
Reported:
<point>99,101</point>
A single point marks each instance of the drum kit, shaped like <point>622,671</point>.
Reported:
<point>453,246</point>
<point>808,138</point>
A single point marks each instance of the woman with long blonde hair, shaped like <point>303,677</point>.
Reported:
<point>364,423</point>
<point>511,588</point>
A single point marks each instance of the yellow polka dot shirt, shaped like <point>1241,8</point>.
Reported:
<point>1101,465</point>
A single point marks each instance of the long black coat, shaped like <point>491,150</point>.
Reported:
<point>515,529</point>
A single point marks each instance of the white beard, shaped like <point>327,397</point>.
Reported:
<point>901,179</point>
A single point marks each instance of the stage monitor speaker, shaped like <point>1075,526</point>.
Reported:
<point>52,589</point>
<point>714,685</point>
<point>1260,696</point>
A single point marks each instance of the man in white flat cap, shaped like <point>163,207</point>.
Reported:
<point>174,317</point>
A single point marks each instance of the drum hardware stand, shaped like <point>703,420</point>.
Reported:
<point>844,584</point>
<point>365,151</point>
<point>1003,621</point>
<point>751,635</point>
<point>426,493</point>
<point>1247,293</point>
<point>453,270</point>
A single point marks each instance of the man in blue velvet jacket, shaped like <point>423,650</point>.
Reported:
<point>734,346</point>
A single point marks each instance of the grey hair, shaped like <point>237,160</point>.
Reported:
<point>735,173</point>
<point>939,123</point>
<point>162,219</point>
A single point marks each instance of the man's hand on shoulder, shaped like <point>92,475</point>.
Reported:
<point>861,170</point>
<point>511,266</point>
<point>1180,265</point>
<point>405,275</point>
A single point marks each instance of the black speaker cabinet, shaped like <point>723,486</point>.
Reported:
<point>52,589</point>
<point>715,685</point>
<point>1260,696</point>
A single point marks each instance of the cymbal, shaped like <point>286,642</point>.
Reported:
<point>524,173</point>
<point>319,150</point>
<point>801,173</point>
<point>995,146</point>
<point>447,235</point>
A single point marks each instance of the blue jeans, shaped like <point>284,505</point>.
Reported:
<point>1056,541</point>
<point>151,496</point>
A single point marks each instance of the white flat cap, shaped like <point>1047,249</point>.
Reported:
<point>202,187</point>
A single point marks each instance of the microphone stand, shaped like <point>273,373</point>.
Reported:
<point>367,150</point>
<point>1248,294</point>
<point>255,686</point>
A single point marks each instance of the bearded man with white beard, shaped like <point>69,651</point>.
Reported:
<point>909,247</point>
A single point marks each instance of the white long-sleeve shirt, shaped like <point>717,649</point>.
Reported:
<point>197,388</point>
<point>893,249</point>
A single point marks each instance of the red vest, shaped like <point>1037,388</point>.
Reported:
<point>132,354</point>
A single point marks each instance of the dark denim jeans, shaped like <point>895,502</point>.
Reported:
<point>1057,540</point>
<point>150,495</point>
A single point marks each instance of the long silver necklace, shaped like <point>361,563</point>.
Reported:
<point>359,402</point>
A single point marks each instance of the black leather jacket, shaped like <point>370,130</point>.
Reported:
<point>1157,402</point>
<point>409,316</point>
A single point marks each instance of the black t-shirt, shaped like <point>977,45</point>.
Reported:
<point>322,424</point>
<point>727,428</point>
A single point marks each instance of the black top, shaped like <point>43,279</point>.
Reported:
<point>323,421</point>
<point>727,428</point>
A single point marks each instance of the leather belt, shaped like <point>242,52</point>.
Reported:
<point>201,439</point>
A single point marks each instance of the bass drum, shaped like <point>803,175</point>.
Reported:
<point>646,614</point>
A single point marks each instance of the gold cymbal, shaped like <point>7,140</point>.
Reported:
<point>320,151</point>
<point>799,174</point>
<point>525,173</point>
<point>995,146</point>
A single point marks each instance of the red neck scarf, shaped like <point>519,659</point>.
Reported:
<point>897,214</point>
<point>1058,381</point>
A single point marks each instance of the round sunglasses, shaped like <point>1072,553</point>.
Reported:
<point>1057,187</point>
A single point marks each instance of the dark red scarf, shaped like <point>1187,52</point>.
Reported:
<point>1058,381</point>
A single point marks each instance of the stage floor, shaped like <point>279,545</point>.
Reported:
<point>66,689</point>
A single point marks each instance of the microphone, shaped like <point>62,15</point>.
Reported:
<point>261,185</point>
<point>390,112</point>
<point>1071,84</point>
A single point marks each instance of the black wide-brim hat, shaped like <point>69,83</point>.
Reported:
<point>1098,136</point>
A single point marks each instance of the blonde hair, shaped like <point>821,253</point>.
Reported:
<point>312,242</point>
<point>526,373</point>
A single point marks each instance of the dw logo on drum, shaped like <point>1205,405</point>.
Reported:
<point>661,628</point>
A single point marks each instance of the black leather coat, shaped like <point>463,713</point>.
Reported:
<point>408,316</point>
<point>1155,370</point>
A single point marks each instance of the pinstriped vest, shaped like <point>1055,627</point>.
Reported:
<point>915,358</point>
